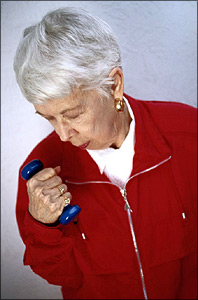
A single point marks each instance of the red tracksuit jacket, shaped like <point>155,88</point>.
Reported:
<point>139,242</point>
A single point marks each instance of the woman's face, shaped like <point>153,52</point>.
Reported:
<point>86,119</point>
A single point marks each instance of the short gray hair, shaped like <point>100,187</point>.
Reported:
<point>68,49</point>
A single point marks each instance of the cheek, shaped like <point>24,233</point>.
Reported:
<point>94,125</point>
<point>85,126</point>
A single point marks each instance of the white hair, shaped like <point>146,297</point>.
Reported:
<point>68,49</point>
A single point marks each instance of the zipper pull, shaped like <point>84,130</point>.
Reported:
<point>124,195</point>
<point>126,207</point>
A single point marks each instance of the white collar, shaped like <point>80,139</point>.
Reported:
<point>117,163</point>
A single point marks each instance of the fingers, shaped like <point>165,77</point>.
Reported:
<point>63,200</point>
<point>54,195</point>
<point>57,169</point>
<point>67,197</point>
<point>47,173</point>
<point>52,182</point>
<point>58,201</point>
<point>45,199</point>
<point>46,177</point>
<point>54,191</point>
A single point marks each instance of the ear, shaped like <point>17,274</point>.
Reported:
<point>118,87</point>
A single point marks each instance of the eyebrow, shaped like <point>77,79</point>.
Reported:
<point>62,112</point>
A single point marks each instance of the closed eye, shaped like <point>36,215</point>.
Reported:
<point>74,115</point>
<point>71,117</point>
<point>68,115</point>
<point>49,118</point>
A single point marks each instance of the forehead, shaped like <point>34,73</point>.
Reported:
<point>74,101</point>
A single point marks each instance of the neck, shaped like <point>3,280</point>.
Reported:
<point>123,127</point>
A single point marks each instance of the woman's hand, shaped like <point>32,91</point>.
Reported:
<point>45,200</point>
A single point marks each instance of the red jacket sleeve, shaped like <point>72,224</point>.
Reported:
<point>48,250</point>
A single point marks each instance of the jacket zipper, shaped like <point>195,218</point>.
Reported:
<point>129,211</point>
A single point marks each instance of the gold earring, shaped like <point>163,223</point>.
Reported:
<point>119,104</point>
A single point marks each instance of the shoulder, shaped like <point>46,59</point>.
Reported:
<point>172,117</point>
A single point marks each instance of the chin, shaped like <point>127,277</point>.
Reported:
<point>98,147</point>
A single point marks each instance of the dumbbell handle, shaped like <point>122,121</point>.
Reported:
<point>69,212</point>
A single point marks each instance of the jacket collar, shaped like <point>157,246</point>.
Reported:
<point>151,148</point>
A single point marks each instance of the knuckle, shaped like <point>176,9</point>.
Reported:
<point>45,174</point>
<point>44,192</point>
<point>65,187</point>
<point>68,194</point>
<point>31,183</point>
<point>55,180</point>
<point>51,171</point>
<point>37,192</point>
<point>58,179</point>
<point>45,200</point>
<point>59,208</point>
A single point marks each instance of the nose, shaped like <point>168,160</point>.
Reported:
<point>64,130</point>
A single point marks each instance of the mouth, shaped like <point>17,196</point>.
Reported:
<point>84,146</point>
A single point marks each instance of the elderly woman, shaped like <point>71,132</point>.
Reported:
<point>129,164</point>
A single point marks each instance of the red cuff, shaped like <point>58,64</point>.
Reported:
<point>41,231</point>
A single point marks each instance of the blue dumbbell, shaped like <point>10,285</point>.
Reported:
<point>69,212</point>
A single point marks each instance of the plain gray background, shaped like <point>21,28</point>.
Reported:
<point>159,54</point>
